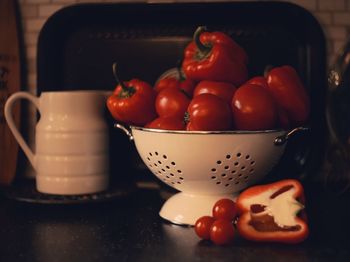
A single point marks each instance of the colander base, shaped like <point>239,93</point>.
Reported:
<point>184,209</point>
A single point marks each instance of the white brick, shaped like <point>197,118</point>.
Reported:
<point>324,18</point>
<point>336,32</point>
<point>48,10</point>
<point>34,25</point>
<point>331,5</point>
<point>341,18</point>
<point>29,10</point>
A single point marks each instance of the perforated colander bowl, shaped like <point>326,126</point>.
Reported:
<point>206,166</point>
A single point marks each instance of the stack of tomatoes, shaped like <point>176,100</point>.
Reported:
<point>214,93</point>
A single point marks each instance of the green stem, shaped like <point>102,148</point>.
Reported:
<point>124,87</point>
<point>196,38</point>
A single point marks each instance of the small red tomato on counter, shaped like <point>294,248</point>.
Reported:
<point>167,123</point>
<point>132,102</point>
<point>222,232</point>
<point>270,213</point>
<point>254,108</point>
<point>225,209</point>
<point>286,87</point>
<point>172,102</point>
<point>203,225</point>
<point>207,112</point>
<point>215,56</point>
<point>221,89</point>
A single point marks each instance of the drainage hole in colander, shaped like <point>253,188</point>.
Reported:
<point>236,163</point>
<point>150,153</point>
<point>181,178</point>
<point>252,163</point>
<point>165,157</point>
<point>239,154</point>
<point>213,169</point>
<point>228,156</point>
<point>230,179</point>
<point>172,174</point>
<point>167,176</point>
<point>218,183</point>
<point>156,153</point>
<point>163,169</point>
<point>173,183</point>
<point>233,171</point>
<point>179,182</point>
<point>173,163</point>
<point>239,175</point>
<point>219,162</point>
<point>247,157</point>
<point>223,175</point>
<point>168,167</point>
<point>251,170</point>
<point>148,159</point>
<point>155,164</point>
<point>237,182</point>
<point>243,167</point>
<point>179,171</point>
<point>227,167</point>
<point>213,177</point>
<point>160,162</point>
<point>227,185</point>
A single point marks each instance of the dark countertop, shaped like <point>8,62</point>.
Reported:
<point>128,228</point>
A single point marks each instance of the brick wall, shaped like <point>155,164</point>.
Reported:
<point>333,15</point>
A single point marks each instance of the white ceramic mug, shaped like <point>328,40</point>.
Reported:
<point>71,141</point>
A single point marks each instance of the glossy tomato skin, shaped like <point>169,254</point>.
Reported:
<point>167,123</point>
<point>222,232</point>
<point>254,108</point>
<point>208,112</point>
<point>168,82</point>
<point>259,80</point>
<point>134,106</point>
<point>203,225</point>
<point>225,209</point>
<point>221,89</point>
<point>172,102</point>
<point>287,88</point>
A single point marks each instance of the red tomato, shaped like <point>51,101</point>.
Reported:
<point>172,102</point>
<point>220,89</point>
<point>208,112</point>
<point>133,103</point>
<point>203,225</point>
<point>167,82</point>
<point>222,232</point>
<point>167,123</point>
<point>258,80</point>
<point>286,87</point>
<point>187,85</point>
<point>254,108</point>
<point>225,209</point>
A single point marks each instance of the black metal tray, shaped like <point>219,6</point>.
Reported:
<point>79,43</point>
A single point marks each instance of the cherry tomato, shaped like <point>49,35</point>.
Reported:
<point>208,112</point>
<point>203,225</point>
<point>220,89</point>
<point>225,209</point>
<point>167,123</point>
<point>167,82</point>
<point>286,87</point>
<point>258,80</point>
<point>133,103</point>
<point>254,108</point>
<point>222,232</point>
<point>172,102</point>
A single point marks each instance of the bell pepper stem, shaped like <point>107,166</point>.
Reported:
<point>116,77</point>
<point>196,38</point>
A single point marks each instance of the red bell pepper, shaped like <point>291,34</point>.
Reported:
<point>132,102</point>
<point>215,56</point>
<point>286,86</point>
<point>269,213</point>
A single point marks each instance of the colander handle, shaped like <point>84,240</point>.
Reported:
<point>280,140</point>
<point>125,130</point>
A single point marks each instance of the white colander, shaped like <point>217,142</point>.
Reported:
<point>206,166</point>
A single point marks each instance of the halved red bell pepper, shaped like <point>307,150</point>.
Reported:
<point>215,56</point>
<point>272,212</point>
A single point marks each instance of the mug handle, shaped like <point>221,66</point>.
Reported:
<point>9,118</point>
